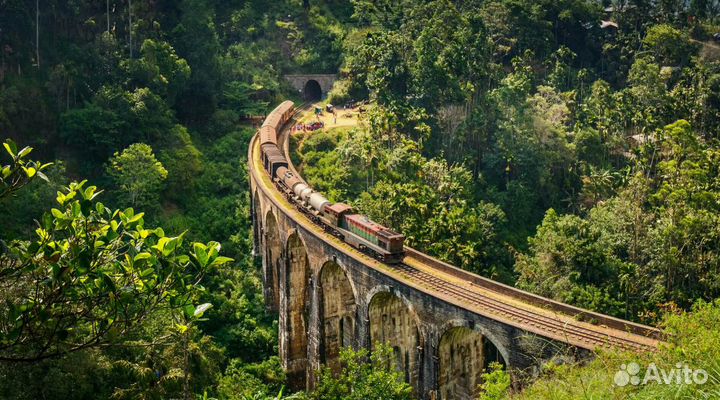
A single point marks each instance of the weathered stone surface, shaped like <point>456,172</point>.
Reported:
<point>294,309</point>
<point>338,314</point>
<point>299,82</point>
<point>272,254</point>
<point>464,355</point>
<point>392,322</point>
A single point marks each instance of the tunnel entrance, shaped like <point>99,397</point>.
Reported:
<point>312,90</point>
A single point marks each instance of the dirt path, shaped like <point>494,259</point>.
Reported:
<point>349,117</point>
<point>346,118</point>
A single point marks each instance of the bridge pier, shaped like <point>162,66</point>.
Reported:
<point>363,326</point>
<point>315,346</point>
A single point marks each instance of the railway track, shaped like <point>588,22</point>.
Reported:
<point>525,319</point>
<point>528,312</point>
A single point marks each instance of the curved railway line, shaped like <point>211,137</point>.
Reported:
<point>531,313</point>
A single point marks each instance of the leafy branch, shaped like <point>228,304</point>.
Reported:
<point>20,171</point>
<point>91,276</point>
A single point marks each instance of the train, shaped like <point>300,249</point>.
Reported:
<point>337,219</point>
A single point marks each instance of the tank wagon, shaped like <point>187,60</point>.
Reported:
<point>337,219</point>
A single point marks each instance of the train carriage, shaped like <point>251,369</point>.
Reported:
<point>386,244</point>
<point>338,219</point>
<point>272,158</point>
<point>268,134</point>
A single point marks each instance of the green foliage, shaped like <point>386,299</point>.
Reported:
<point>93,128</point>
<point>669,45</point>
<point>82,375</point>
<point>102,264</point>
<point>340,92</point>
<point>92,94</point>
<point>652,243</point>
<point>485,116</point>
<point>495,384</point>
<point>115,119</point>
<point>253,381</point>
<point>325,168</point>
<point>363,376</point>
<point>574,262</point>
<point>240,96</point>
<point>693,341</point>
<point>138,174</point>
<point>21,170</point>
<point>24,207</point>
<point>183,162</point>
<point>160,69</point>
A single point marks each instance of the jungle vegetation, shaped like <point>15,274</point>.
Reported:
<point>568,147</point>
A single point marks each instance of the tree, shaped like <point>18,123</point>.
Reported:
<point>97,130</point>
<point>91,276</point>
<point>160,69</point>
<point>654,243</point>
<point>496,383</point>
<point>138,174</point>
<point>671,46</point>
<point>573,261</point>
<point>196,41</point>
<point>684,242</point>
<point>376,378</point>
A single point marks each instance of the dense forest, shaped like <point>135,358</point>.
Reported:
<point>570,148</point>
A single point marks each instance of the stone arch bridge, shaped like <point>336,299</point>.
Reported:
<point>445,325</point>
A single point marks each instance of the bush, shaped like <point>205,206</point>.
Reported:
<point>693,340</point>
<point>340,92</point>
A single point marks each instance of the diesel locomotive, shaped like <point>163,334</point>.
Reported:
<point>337,219</point>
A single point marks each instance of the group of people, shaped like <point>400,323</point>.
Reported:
<point>308,127</point>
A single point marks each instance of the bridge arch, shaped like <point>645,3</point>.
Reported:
<point>296,305</point>
<point>464,353</point>
<point>273,260</point>
<point>338,314</point>
<point>392,321</point>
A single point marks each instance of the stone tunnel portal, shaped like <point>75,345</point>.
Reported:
<point>312,90</point>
